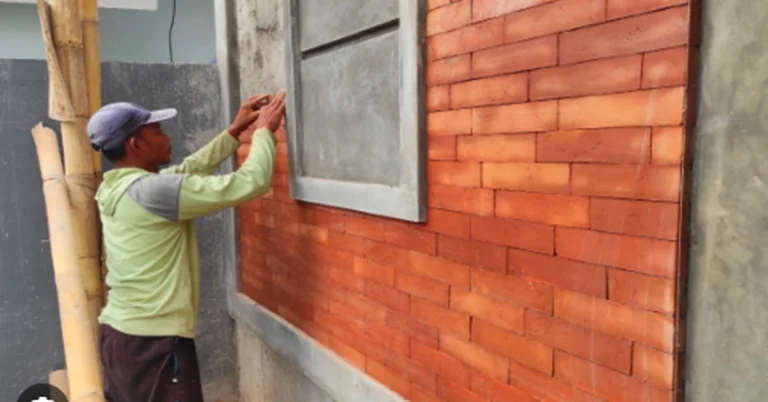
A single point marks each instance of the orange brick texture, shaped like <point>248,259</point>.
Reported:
<point>547,268</point>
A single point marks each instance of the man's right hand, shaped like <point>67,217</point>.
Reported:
<point>272,114</point>
<point>248,113</point>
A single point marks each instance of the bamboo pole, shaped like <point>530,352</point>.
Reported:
<point>76,327</point>
<point>89,20</point>
<point>78,154</point>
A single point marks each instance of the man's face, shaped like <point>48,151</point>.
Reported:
<point>152,145</point>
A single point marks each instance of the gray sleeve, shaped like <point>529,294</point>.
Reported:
<point>159,194</point>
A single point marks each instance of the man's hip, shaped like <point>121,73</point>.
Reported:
<point>137,368</point>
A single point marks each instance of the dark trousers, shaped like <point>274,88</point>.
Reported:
<point>139,367</point>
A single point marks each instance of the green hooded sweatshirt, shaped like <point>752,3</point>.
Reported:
<point>153,263</point>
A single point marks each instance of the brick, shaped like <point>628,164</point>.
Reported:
<point>641,108</point>
<point>439,269</point>
<point>653,366</point>
<point>369,309</point>
<point>604,382</point>
<point>451,392</point>
<point>535,177</point>
<point>447,222</point>
<point>650,256</point>
<point>614,75</point>
<point>667,148</point>
<point>497,148</point>
<point>429,289</point>
<point>376,272</point>
<point>449,17</point>
<point>345,242</point>
<point>644,33</point>
<point>345,279</point>
<point>544,387</point>
<point>523,235</point>
<point>665,68</point>
<point>638,218</point>
<point>421,377</point>
<point>608,351</point>
<point>339,325</point>
<point>452,122</point>
<point>442,148</point>
<point>411,238</point>
<point>529,294</point>
<point>482,384</point>
<point>490,91</point>
<point>347,352</point>
<point>521,56</point>
<point>415,329</point>
<point>640,182</point>
<point>364,227</point>
<point>386,254</point>
<point>450,70</point>
<point>432,4</point>
<point>552,18</point>
<point>614,145</point>
<point>441,317</point>
<point>519,348</point>
<point>518,118</point>
<point>392,380</point>
<point>391,340</point>
<point>624,8</point>
<point>507,316</point>
<point>494,365</point>
<point>550,209</point>
<point>642,291</point>
<point>475,253</point>
<point>459,199</point>
<point>467,39</point>
<point>386,295</point>
<point>504,393</point>
<point>330,220</point>
<point>458,174</point>
<point>419,394</point>
<point>484,9</point>
<point>616,319</point>
<point>438,98</point>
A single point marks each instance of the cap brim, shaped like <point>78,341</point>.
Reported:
<point>157,116</point>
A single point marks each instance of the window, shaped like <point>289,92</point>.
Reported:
<point>356,105</point>
<point>121,4</point>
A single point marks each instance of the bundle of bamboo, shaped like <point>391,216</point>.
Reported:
<point>70,36</point>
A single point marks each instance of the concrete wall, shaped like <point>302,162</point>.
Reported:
<point>727,357</point>
<point>125,35</point>
<point>30,338</point>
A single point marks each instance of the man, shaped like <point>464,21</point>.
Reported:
<point>147,328</point>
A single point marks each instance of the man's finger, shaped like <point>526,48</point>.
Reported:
<point>255,102</point>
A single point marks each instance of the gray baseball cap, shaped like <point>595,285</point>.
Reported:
<point>115,123</point>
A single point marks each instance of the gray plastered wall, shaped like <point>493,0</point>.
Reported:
<point>727,333</point>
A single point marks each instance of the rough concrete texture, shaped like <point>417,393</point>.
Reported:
<point>266,376</point>
<point>261,49</point>
<point>727,343</point>
<point>30,337</point>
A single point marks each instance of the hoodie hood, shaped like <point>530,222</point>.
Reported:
<point>113,187</point>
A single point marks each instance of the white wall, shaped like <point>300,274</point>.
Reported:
<point>126,35</point>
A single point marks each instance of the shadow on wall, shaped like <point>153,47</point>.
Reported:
<point>30,337</point>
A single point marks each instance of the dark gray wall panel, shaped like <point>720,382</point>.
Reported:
<point>727,345</point>
<point>324,21</point>
<point>30,336</point>
<point>354,102</point>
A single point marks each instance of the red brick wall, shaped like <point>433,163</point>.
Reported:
<point>546,270</point>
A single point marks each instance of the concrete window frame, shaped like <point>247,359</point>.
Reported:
<point>405,201</point>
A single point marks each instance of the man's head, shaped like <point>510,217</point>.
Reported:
<point>130,135</point>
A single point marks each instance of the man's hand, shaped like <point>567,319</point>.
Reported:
<point>272,114</point>
<point>248,113</point>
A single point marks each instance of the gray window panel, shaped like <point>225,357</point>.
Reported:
<point>356,105</point>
